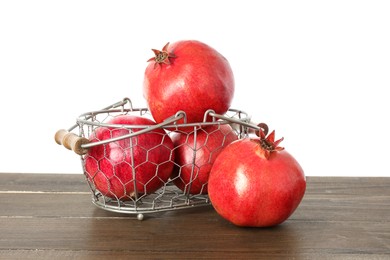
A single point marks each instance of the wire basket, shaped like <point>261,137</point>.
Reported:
<point>136,197</point>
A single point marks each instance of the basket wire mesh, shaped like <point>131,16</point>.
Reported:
<point>168,196</point>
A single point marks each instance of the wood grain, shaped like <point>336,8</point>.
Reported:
<point>45,216</point>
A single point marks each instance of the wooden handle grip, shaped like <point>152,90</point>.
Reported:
<point>71,141</point>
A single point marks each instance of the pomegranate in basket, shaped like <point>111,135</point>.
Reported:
<point>188,76</point>
<point>256,183</point>
<point>137,165</point>
<point>195,153</point>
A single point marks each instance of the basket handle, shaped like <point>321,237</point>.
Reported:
<point>253,128</point>
<point>80,145</point>
<point>71,141</point>
<point>74,142</point>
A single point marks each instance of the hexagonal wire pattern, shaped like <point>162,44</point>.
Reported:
<point>169,196</point>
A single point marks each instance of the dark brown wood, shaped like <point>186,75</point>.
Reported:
<point>52,217</point>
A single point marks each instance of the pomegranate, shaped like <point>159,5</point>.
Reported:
<point>195,153</point>
<point>188,76</point>
<point>131,166</point>
<point>256,183</point>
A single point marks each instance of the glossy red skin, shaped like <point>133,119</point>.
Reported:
<point>198,79</point>
<point>251,191</point>
<point>108,166</point>
<point>210,141</point>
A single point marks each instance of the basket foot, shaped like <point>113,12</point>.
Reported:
<point>140,216</point>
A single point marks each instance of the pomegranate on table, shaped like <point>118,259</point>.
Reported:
<point>188,76</point>
<point>195,153</point>
<point>144,161</point>
<point>256,183</point>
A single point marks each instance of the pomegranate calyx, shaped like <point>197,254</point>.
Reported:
<point>162,56</point>
<point>268,143</point>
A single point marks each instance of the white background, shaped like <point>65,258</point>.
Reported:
<point>316,71</point>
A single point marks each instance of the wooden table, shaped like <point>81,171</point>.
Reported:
<point>52,217</point>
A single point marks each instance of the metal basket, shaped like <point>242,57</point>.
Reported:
<point>168,196</point>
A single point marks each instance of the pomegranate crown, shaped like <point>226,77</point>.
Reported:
<point>162,56</point>
<point>267,142</point>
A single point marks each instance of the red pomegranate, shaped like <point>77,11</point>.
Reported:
<point>195,153</point>
<point>256,183</point>
<point>138,165</point>
<point>188,76</point>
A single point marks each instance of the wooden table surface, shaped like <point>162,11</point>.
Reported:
<point>48,216</point>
